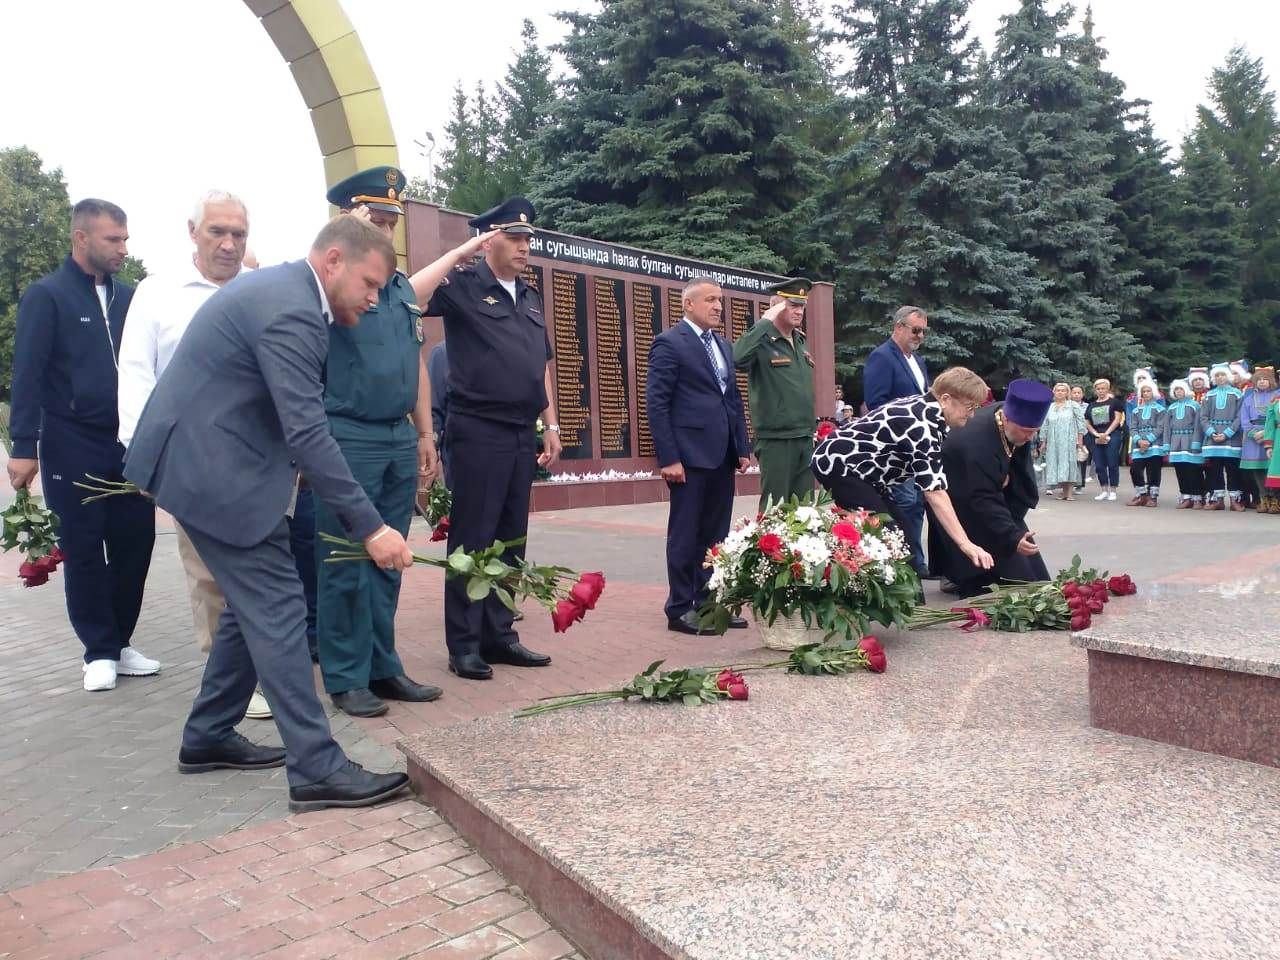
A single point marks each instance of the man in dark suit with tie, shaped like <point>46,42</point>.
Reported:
<point>895,370</point>
<point>235,416</point>
<point>700,435</point>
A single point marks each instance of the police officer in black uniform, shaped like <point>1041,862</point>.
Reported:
<point>499,385</point>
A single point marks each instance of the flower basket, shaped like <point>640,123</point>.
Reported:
<point>809,572</point>
<point>787,632</point>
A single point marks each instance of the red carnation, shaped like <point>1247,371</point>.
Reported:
<point>846,532</point>
<point>441,531</point>
<point>977,618</point>
<point>771,546</point>
<point>876,660</point>
<point>825,428</point>
<point>738,691</point>
<point>565,615</point>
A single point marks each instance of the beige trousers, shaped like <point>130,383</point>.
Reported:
<point>207,601</point>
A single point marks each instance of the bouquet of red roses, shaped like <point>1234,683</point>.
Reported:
<point>33,527</point>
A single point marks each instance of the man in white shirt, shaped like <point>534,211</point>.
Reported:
<point>162,307</point>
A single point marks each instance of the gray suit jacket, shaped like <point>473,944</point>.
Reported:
<point>239,411</point>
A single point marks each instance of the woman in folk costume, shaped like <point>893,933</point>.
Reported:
<point>1253,456</point>
<point>1146,446</point>
<point>1220,441</point>
<point>1270,433</point>
<point>1182,443</point>
<point>1198,379</point>
<point>1241,378</point>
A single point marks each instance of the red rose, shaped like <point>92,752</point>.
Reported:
<point>57,554</point>
<point>1077,602</point>
<point>1095,606</point>
<point>727,678</point>
<point>876,660</point>
<point>565,615</point>
<point>824,429</point>
<point>846,532</point>
<point>441,531</point>
<point>715,550</point>
<point>1070,588</point>
<point>36,579</point>
<point>1080,621</point>
<point>587,590</point>
<point>738,691</point>
<point>1122,585</point>
<point>46,564</point>
<point>826,573</point>
<point>771,546</point>
<point>28,569</point>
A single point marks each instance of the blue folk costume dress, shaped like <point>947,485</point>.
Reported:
<point>1220,415</point>
<point>1182,445</point>
<point>1146,423</point>
<point>1253,456</point>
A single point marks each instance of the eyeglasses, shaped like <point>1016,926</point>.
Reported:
<point>917,331</point>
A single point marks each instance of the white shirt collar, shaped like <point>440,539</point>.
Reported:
<point>324,301</point>
<point>696,329</point>
<point>195,278</point>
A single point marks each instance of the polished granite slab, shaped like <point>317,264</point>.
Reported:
<point>957,806</point>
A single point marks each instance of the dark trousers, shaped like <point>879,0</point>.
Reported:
<point>261,640</point>
<point>107,543</point>
<point>1084,464</point>
<point>1253,483</point>
<point>701,509</point>
<point>910,504</point>
<point>302,544</point>
<point>851,493</point>
<point>1145,474</point>
<point>1190,479</point>
<point>492,465</point>
<point>1106,461</point>
<point>357,609</point>
<point>1221,473</point>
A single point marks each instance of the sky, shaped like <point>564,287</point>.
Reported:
<point>148,103</point>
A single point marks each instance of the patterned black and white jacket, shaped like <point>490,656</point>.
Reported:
<point>897,442</point>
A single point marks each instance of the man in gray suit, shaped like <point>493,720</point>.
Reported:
<point>235,416</point>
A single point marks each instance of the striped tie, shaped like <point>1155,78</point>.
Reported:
<point>709,342</point>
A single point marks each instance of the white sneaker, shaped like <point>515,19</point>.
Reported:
<point>99,675</point>
<point>1101,496</point>
<point>259,709</point>
<point>1111,495</point>
<point>134,664</point>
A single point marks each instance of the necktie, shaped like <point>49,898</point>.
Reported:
<point>709,342</point>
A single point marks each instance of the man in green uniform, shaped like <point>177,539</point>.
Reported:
<point>378,398</point>
<point>780,380</point>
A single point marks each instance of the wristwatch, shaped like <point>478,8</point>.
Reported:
<point>553,427</point>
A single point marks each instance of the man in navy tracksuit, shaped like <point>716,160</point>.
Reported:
<point>64,401</point>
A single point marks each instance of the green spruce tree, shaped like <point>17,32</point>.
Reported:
<point>1215,249</point>
<point>1048,109</point>
<point>679,129</point>
<point>929,221</point>
<point>525,98</point>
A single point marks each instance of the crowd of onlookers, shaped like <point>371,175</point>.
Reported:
<point>1215,428</point>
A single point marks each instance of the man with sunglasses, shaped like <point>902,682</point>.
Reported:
<point>895,370</point>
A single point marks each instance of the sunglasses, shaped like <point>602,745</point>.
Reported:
<point>917,331</point>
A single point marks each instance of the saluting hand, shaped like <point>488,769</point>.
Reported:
<point>469,249</point>
<point>773,312</point>
<point>551,448</point>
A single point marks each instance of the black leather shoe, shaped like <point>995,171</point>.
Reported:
<point>470,666</point>
<point>233,753</point>
<point>737,623</point>
<point>402,688</point>
<point>688,623</point>
<point>359,702</point>
<point>351,785</point>
<point>515,655</point>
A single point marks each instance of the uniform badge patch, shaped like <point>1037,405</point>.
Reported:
<point>490,301</point>
<point>417,329</point>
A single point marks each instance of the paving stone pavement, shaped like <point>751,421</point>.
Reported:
<point>89,788</point>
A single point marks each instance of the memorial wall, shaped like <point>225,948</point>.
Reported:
<point>606,303</point>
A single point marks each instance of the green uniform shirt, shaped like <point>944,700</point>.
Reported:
<point>371,375</point>
<point>780,378</point>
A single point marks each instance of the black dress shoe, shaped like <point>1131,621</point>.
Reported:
<point>402,688</point>
<point>688,623</point>
<point>737,623</point>
<point>359,702</point>
<point>470,666</point>
<point>233,753</point>
<point>515,655</point>
<point>351,785</point>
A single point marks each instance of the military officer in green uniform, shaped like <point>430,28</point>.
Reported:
<point>378,398</point>
<point>780,381</point>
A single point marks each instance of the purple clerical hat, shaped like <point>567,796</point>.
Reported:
<point>1026,403</point>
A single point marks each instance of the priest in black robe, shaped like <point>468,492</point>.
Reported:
<point>993,484</point>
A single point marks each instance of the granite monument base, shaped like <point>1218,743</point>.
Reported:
<point>958,806</point>
<point>1191,670</point>
<point>568,495</point>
